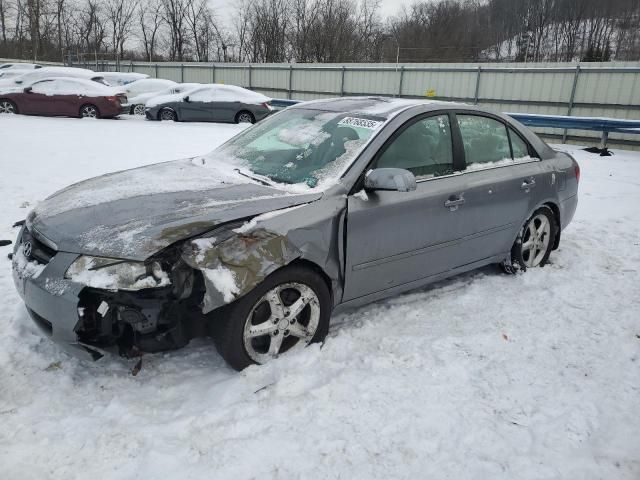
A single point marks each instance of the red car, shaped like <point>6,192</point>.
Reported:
<point>64,96</point>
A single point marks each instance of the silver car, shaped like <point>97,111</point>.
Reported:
<point>321,207</point>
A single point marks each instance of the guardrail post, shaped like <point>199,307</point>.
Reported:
<point>342,82</point>
<point>289,93</point>
<point>182,73</point>
<point>400,81</point>
<point>572,99</point>
<point>477,94</point>
<point>213,73</point>
<point>250,77</point>
<point>156,70</point>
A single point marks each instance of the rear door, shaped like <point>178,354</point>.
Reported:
<point>399,239</point>
<point>498,187</point>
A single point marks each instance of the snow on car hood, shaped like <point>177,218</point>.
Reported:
<point>135,213</point>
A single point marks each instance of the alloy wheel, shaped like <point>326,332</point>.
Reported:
<point>89,111</point>
<point>535,240</point>
<point>138,110</point>
<point>167,115</point>
<point>7,107</point>
<point>287,316</point>
<point>245,118</point>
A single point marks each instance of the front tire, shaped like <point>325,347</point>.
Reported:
<point>7,106</point>
<point>167,114</point>
<point>535,241</point>
<point>289,310</point>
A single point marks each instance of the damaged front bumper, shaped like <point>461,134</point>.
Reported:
<point>88,322</point>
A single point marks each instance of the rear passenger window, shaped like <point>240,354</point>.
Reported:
<point>424,148</point>
<point>485,140</point>
<point>519,147</point>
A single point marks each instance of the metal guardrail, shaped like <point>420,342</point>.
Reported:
<point>597,124</point>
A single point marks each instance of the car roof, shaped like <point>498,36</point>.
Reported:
<point>384,107</point>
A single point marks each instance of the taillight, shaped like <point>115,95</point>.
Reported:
<point>577,169</point>
<point>267,106</point>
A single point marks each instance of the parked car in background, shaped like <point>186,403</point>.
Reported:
<point>324,206</point>
<point>12,73</point>
<point>63,96</point>
<point>29,77</point>
<point>147,85</point>
<point>210,103</point>
<point>137,103</point>
<point>118,79</point>
<point>19,66</point>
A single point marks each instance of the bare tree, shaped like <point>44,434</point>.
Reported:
<point>174,14</point>
<point>150,21</point>
<point>120,17</point>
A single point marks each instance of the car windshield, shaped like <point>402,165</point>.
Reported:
<point>300,146</point>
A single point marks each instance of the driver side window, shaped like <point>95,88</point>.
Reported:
<point>424,148</point>
<point>46,87</point>
<point>203,96</point>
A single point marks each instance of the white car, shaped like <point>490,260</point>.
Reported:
<point>138,102</point>
<point>31,76</point>
<point>19,66</point>
<point>12,73</point>
<point>147,85</point>
<point>120,78</point>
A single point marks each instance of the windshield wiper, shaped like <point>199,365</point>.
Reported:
<point>255,179</point>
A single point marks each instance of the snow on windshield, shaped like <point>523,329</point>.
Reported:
<point>300,147</point>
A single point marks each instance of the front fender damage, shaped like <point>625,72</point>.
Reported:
<point>236,260</point>
<point>233,267</point>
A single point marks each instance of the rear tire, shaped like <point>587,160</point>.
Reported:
<point>245,117</point>
<point>89,111</point>
<point>137,109</point>
<point>264,324</point>
<point>7,106</point>
<point>535,241</point>
<point>167,114</point>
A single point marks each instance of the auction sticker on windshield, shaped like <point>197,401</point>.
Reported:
<point>360,122</point>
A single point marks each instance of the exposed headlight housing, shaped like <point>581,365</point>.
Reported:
<point>116,274</point>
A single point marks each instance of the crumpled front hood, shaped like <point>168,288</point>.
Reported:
<point>135,213</point>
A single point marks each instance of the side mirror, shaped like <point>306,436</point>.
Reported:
<point>27,90</point>
<point>186,99</point>
<point>393,179</point>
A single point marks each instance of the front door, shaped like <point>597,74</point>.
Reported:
<point>199,108</point>
<point>403,238</point>
<point>41,99</point>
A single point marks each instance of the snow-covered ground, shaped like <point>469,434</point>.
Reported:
<point>485,376</point>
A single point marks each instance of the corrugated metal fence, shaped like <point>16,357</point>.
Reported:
<point>587,89</point>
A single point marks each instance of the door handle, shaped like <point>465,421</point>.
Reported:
<point>528,184</point>
<point>454,202</point>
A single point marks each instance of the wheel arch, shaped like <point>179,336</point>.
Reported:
<point>313,266</point>
<point>556,215</point>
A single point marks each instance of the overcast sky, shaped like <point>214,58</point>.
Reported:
<point>225,9</point>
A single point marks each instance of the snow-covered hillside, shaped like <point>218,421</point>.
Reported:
<point>485,376</point>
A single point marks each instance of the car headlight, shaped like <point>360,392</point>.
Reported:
<point>116,274</point>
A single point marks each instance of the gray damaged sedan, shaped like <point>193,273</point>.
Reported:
<point>324,206</point>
